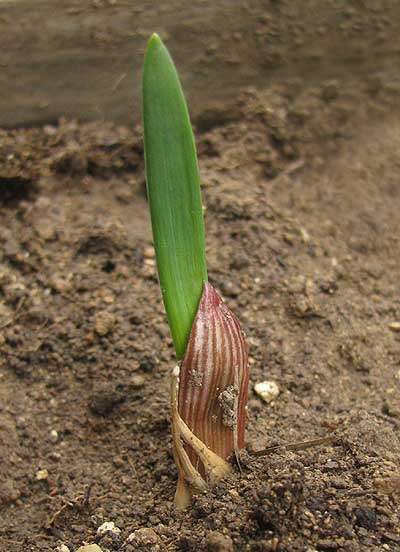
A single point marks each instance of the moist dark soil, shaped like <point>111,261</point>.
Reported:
<point>302,199</point>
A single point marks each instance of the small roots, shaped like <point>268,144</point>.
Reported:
<point>190,480</point>
<point>81,503</point>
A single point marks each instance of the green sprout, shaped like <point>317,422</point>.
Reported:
<point>173,185</point>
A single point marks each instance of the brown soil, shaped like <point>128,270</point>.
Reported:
<point>302,195</point>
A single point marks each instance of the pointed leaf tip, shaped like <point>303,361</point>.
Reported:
<point>154,40</point>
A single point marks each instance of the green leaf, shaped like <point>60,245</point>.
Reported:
<point>173,185</point>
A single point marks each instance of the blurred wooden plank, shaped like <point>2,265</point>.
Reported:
<point>82,58</point>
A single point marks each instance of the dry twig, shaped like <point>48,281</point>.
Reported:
<point>300,445</point>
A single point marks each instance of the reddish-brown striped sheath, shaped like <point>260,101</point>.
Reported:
<point>214,378</point>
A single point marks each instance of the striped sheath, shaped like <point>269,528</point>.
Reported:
<point>214,379</point>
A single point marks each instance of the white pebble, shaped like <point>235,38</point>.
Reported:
<point>305,236</point>
<point>108,527</point>
<point>62,548</point>
<point>267,390</point>
<point>41,475</point>
<point>394,326</point>
<point>90,548</point>
<point>149,252</point>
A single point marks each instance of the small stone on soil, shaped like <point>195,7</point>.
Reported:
<point>137,381</point>
<point>53,436</point>
<point>108,527</point>
<point>42,475</point>
<point>394,326</point>
<point>90,548</point>
<point>267,390</point>
<point>149,253</point>
<point>104,322</point>
<point>62,548</point>
<point>143,537</point>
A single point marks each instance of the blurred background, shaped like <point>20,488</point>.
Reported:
<point>83,59</point>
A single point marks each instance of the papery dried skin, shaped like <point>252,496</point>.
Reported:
<point>190,481</point>
<point>214,379</point>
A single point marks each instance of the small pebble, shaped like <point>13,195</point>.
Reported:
<point>305,236</point>
<point>394,326</point>
<point>53,436</point>
<point>90,548</point>
<point>108,527</point>
<point>42,475</point>
<point>143,537</point>
<point>137,381</point>
<point>55,456</point>
<point>234,494</point>
<point>62,548</point>
<point>267,390</point>
<point>149,253</point>
<point>104,322</point>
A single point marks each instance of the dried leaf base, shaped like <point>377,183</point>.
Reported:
<point>190,481</point>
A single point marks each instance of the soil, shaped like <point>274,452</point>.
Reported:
<point>302,202</point>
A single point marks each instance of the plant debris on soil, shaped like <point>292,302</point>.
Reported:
<point>302,203</point>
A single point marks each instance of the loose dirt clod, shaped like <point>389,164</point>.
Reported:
<point>217,542</point>
<point>226,401</point>
<point>104,323</point>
